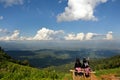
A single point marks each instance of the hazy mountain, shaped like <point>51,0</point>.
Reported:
<point>36,45</point>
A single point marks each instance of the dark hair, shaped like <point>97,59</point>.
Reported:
<point>84,60</point>
<point>77,60</point>
<point>77,63</point>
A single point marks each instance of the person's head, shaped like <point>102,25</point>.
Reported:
<point>84,59</point>
<point>77,60</point>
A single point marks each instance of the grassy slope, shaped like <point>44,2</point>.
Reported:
<point>12,71</point>
<point>108,72</point>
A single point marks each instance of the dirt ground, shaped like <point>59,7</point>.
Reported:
<point>102,77</point>
<point>109,77</point>
<point>93,77</point>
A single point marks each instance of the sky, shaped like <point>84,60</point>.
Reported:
<point>59,20</point>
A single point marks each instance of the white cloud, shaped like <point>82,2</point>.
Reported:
<point>109,35</point>
<point>42,34</point>
<point>47,34</point>
<point>1,17</point>
<point>82,36</point>
<point>70,37</point>
<point>90,36</point>
<point>8,3</point>
<point>14,36</point>
<point>79,36</point>
<point>79,10</point>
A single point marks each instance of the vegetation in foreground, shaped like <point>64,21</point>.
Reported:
<point>11,69</point>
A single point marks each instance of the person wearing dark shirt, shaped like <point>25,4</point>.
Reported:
<point>86,67</point>
<point>85,63</point>
<point>78,67</point>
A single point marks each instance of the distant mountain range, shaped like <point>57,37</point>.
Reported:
<point>47,57</point>
<point>61,45</point>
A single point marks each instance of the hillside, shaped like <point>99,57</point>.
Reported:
<point>11,70</point>
<point>107,63</point>
<point>4,56</point>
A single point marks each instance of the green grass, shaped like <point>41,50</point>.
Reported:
<point>12,71</point>
<point>108,72</point>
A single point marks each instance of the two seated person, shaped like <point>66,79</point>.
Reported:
<point>82,69</point>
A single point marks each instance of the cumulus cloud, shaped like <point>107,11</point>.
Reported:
<point>47,34</point>
<point>109,35</point>
<point>42,34</point>
<point>8,3</point>
<point>79,10</point>
<point>1,17</point>
<point>13,36</point>
<point>79,36</point>
<point>91,36</point>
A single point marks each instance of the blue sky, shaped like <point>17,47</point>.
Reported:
<point>49,20</point>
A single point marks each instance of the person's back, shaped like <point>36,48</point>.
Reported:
<point>85,63</point>
<point>78,67</point>
<point>86,67</point>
